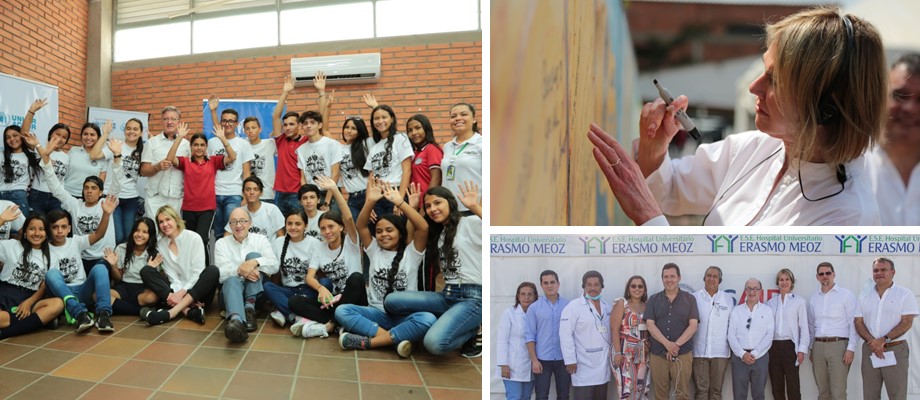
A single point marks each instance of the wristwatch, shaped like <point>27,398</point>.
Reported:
<point>887,339</point>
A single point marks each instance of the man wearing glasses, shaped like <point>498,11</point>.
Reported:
<point>750,334</point>
<point>884,315</point>
<point>830,321</point>
<point>228,184</point>
<point>710,343</point>
<point>671,317</point>
<point>584,335</point>
<point>242,258</point>
<point>164,183</point>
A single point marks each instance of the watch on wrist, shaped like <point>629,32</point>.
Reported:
<point>887,339</point>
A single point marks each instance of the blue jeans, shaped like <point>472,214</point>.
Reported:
<point>541,382</point>
<point>125,215</point>
<point>97,281</point>
<point>458,308</point>
<point>287,202</point>
<point>364,321</point>
<point>18,197</point>
<point>515,390</point>
<point>279,294</point>
<point>236,289</point>
<point>356,203</point>
<point>225,205</point>
<point>43,202</point>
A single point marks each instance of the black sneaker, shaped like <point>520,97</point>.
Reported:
<point>145,311</point>
<point>157,317</point>
<point>104,322</point>
<point>235,331</point>
<point>251,325</point>
<point>84,322</point>
<point>196,314</point>
<point>473,347</point>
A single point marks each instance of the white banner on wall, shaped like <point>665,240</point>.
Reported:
<point>17,94</point>
<point>518,258</point>
<point>119,118</point>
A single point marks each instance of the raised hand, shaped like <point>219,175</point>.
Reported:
<point>107,127</point>
<point>155,261</point>
<point>30,139</point>
<point>370,100</point>
<point>213,102</point>
<point>115,146</point>
<point>415,195</point>
<point>110,256</point>
<point>374,190</point>
<point>218,132</point>
<point>319,82</point>
<point>288,84</point>
<point>37,105</point>
<point>108,206</point>
<point>469,194</point>
<point>324,182</point>
<point>392,194</point>
<point>183,132</point>
<point>10,214</point>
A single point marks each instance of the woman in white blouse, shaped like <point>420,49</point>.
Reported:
<point>819,108</point>
<point>513,358</point>
<point>790,338</point>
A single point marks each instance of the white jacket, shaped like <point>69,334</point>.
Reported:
<point>793,311</point>
<point>511,349</point>
<point>585,339</point>
<point>711,337</point>
<point>184,268</point>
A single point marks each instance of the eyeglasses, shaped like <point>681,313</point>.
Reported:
<point>238,222</point>
<point>228,121</point>
<point>825,273</point>
<point>749,324</point>
<point>751,289</point>
<point>878,270</point>
<point>170,119</point>
<point>636,287</point>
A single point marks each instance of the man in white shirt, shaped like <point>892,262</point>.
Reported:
<point>884,315</point>
<point>228,183</point>
<point>164,183</point>
<point>790,338</point>
<point>584,333</point>
<point>830,322</point>
<point>241,259</point>
<point>710,342</point>
<point>750,333</point>
<point>319,156</point>
<point>894,164</point>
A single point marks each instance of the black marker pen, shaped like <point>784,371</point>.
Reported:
<point>681,116</point>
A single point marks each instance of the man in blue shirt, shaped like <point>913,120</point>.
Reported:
<point>542,338</point>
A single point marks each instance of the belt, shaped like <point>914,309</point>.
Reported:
<point>892,344</point>
<point>830,339</point>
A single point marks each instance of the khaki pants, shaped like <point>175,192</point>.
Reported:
<point>830,371</point>
<point>665,372</point>
<point>895,376</point>
<point>709,375</point>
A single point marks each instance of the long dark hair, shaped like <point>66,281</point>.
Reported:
<point>8,155</point>
<point>400,225</point>
<point>287,238</point>
<point>426,126</point>
<point>433,254</point>
<point>139,149</point>
<point>27,247</point>
<point>473,111</point>
<point>150,248</point>
<point>358,147</point>
<point>93,126</point>
<point>627,296</point>
<point>391,132</point>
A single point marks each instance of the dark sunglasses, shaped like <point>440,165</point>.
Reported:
<point>825,273</point>
<point>636,286</point>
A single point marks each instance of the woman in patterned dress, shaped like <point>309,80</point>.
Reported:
<point>630,340</point>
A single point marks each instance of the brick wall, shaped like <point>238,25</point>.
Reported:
<point>45,41</point>
<point>425,79</point>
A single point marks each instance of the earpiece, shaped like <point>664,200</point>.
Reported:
<point>827,111</point>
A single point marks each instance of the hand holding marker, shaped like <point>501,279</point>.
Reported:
<point>681,116</point>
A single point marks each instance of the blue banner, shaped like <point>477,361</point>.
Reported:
<point>261,109</point>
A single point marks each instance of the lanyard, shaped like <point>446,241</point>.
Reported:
<point>461,149</point>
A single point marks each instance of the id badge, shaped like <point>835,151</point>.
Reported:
<point>601,328</point>
<point>450,172</point>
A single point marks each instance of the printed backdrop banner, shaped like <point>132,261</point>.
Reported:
<point>518,258</point>
<point>17,94</point>
<point>119,118</point>
<point>261,109</point>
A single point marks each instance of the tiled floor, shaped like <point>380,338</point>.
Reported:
<point>184,360</point>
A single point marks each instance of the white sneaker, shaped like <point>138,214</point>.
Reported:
<point>315,329</point>
<point>404,349</point>
<point>298,325</point>
<point>279,318</point>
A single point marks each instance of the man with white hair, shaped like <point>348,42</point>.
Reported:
<point>750,334</point>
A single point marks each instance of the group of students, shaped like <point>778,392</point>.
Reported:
<point>304,253</point>
<point>664,341</point>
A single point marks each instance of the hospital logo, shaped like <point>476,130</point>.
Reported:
<point>850,243</point>
<point>722,243</point>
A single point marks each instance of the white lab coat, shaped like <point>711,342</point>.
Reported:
<point>585,339</point>
<point>734,177</point>
<point>511,349</point>
<point>711,337</point>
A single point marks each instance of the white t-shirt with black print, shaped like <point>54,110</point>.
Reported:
<point>392,171</point>
<point>229,181</point>
<point>27,277</point>
<point>467,265</point>
<point>14,225</point>
<point>312,228</point>
<point>60,161</point>
<point>85,219</point>
<point>406,276</point>
<point>338,264</point>
<point>263,166</point>
<point>130,171</point>
<point>66,258</point>
<point>299,257</point>
<point>317,158</point>
<point>22,174</point>
<point>350,175</point>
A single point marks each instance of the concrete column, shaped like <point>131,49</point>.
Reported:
<point>99,54</point>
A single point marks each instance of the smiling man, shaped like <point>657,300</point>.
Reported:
<point>672,318</point>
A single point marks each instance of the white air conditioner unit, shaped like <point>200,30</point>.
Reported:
<point>343,69</point>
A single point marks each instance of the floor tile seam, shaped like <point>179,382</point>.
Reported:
<point>421,377</point>
<point>296,370</point>
<point>25,354</point>
<point>181,394</point>
<point>95,382</point>
<point>358,374</point>
<point>237,369</point>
